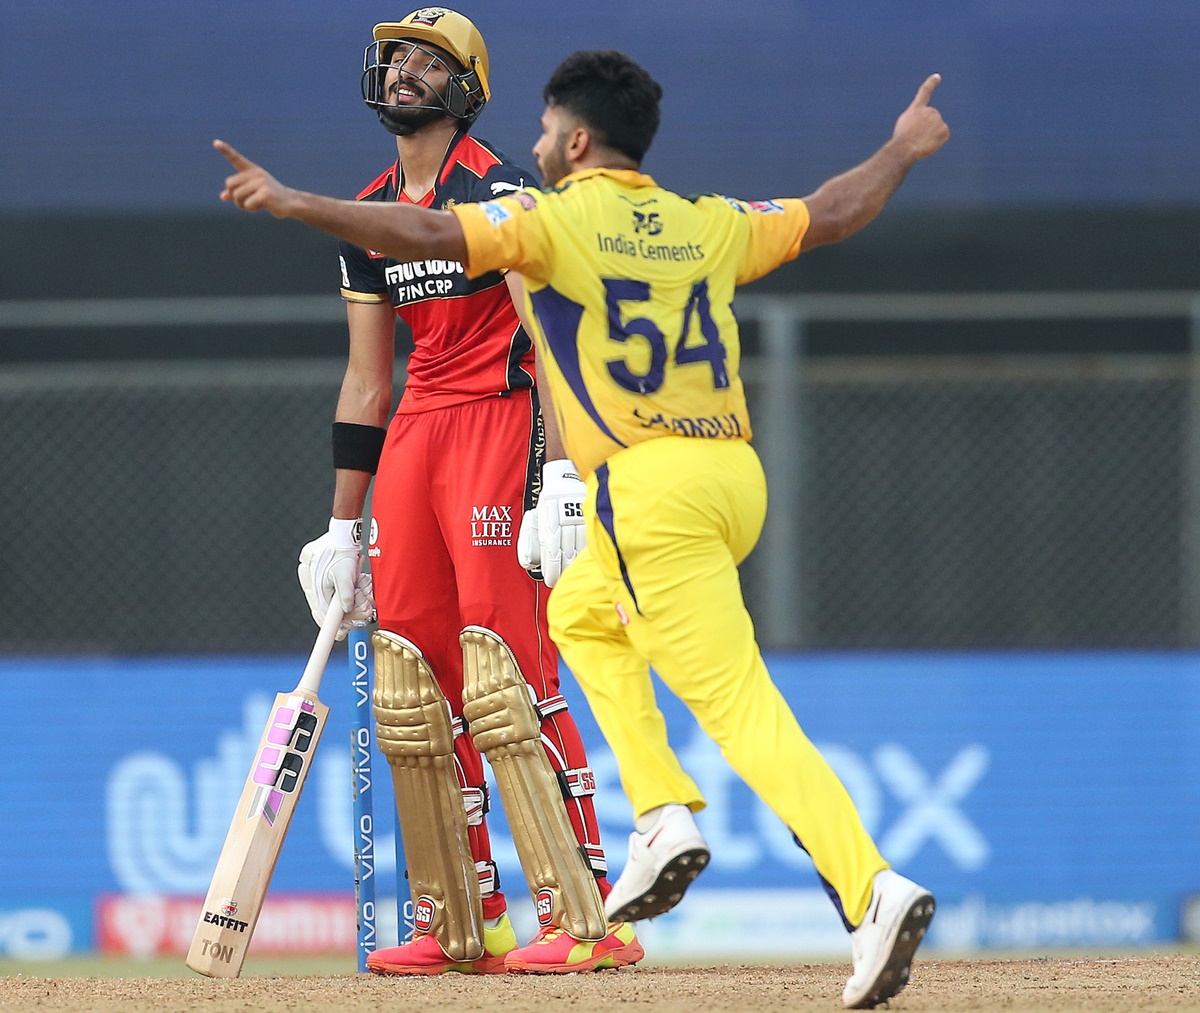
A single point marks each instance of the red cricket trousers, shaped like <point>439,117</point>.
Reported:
<point>451,489</point>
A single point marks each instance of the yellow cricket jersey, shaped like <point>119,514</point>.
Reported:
<point>631,287</point>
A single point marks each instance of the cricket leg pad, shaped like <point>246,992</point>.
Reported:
<point>415,732</point>
<point>506,728</point>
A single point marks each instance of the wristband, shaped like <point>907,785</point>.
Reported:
<point>564,467</point>
<point>357,447</point>
<point>346,534</point>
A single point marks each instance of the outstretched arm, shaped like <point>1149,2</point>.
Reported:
<point>400,231</point>
<point>846,203</point>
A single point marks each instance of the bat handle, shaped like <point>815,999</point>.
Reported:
<point>311,679</point>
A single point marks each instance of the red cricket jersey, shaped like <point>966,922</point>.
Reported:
<point>467,340</point>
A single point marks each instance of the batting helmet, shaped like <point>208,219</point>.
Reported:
<point>466,90</point>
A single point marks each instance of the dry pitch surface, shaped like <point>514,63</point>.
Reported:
<point>1141,983</point>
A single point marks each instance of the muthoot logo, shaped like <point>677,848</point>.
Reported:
<point>415,270</point>
<point>415,280</point>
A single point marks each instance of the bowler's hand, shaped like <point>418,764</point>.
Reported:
<point>920,126</point>
<point>252,188</point>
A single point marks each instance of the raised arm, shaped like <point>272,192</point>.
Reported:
<point>400,231</point>
<point>846,203</point>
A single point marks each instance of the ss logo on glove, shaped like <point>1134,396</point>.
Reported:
<point>552,533</point>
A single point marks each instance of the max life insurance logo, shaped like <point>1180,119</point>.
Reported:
<point>492,525</point>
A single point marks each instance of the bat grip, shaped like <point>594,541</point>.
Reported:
<point>311,679</point>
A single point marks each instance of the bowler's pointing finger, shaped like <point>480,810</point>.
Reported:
<point>924,93</point>
<point>236,158</point>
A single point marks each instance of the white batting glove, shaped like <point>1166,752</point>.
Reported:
<point>331,570</point>
<point>552,534</point>
<point>529,552</point>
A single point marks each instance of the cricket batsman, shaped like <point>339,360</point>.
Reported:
<point>462,627</point>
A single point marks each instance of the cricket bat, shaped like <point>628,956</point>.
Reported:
<point>260,822</point>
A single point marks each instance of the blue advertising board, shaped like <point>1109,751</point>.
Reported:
<point>1048,800</point>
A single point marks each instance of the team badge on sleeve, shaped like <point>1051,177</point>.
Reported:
<point>525,200</point>
<point>496,213</point>
<point>766,207</point>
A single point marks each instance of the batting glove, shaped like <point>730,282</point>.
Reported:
<point>331,570</point>
<point>552,534</point>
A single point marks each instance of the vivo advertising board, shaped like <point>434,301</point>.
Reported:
<point>1047,800</point>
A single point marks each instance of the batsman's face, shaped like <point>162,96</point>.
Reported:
<point>550,152</point>
<point>417,75</point>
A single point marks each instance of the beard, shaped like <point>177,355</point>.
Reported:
<point>554,166</point>
<point>405,120</point>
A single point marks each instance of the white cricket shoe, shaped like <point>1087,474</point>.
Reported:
<point>885,942</point>
<point>662,863</point>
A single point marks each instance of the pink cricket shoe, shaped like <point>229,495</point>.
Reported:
<point>424,955</point>
<point>556,951</point>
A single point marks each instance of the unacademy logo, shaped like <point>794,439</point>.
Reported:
<point>164,834</point>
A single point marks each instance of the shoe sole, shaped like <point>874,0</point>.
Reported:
<point>622,956</point>
<point>667,890</point>
<point>491,965</point>
<point>894,973</point>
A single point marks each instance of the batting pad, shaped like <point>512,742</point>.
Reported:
<point>416,735</point>
<point>506,729</point>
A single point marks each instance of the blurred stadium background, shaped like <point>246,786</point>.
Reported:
<point>980,582</point>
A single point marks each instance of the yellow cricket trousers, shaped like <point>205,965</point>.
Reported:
<point>668,522</point>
